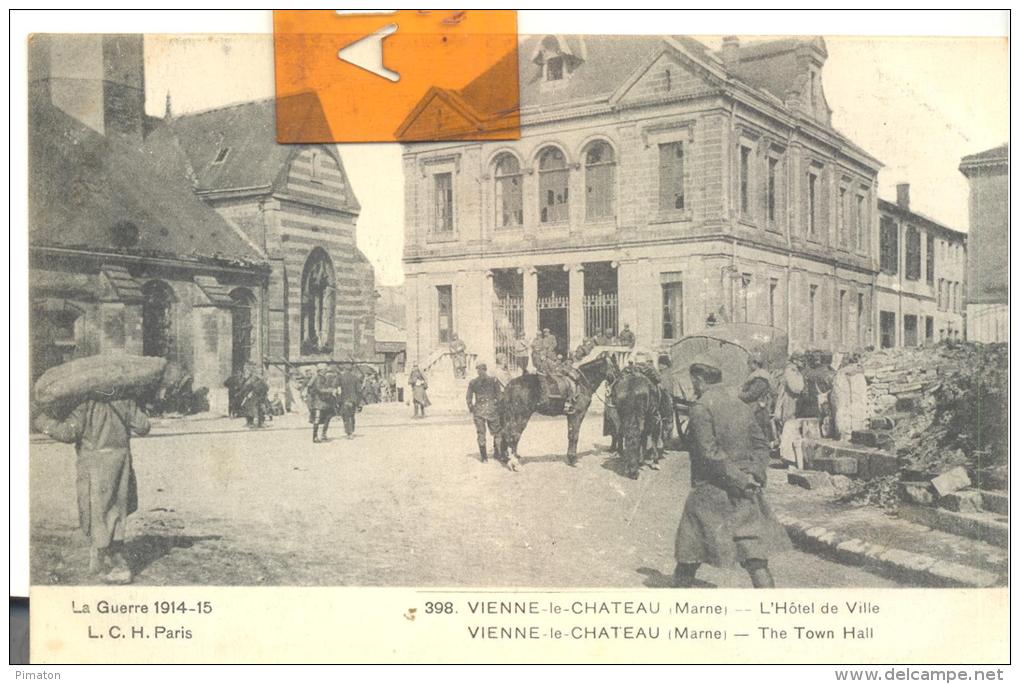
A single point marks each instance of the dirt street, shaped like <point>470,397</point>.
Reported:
<point>405,503</point>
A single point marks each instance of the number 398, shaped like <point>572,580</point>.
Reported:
<point>439,607</point>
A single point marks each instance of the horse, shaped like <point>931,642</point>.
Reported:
<point>642,430</point>
<point>523,397</point>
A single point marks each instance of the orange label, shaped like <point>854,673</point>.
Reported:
<point>443,75</point>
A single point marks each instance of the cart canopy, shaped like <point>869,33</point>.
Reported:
<point>729,344</point>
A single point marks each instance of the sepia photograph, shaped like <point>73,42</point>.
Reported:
<point>693,312</point>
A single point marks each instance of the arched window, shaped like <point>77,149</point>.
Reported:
<point>318,294</point>
<point>244,319</point>
<point>509,200</point>
<point>553,191</point>
<point>599,181</point>
<point>157,319</point>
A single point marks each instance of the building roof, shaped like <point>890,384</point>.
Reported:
<point>231,148</point>
<point>994,157</point>
<point>911,215</point>
<point>599,66</point>
<point>91,192</point>
<point>773,65</point>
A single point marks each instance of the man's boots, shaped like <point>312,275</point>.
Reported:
<point>315,433</point>
<point>481,452</point>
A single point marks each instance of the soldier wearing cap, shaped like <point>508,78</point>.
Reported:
<point>322,391</point>
<point>627,336</point>
<point>725,518</point>
<point>483,395</point>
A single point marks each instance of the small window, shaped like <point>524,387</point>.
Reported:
<point>672,308</point>
<point>443,202</point>
<point>221,156</point>
<point>842,216</point>
<point>599,181</point>
<point>889,246</point>
<point>912,269</point>
<point>772,171</point>
<point>812,203</point>
<point>671,176</point>
<point>929,274</point>
<point>509,199</point>
<point>315,172</point>
<point>862,222</point>
<point>553,186</point>
<point>862,328</point>
<point>745,180</point>
<point>887,329</point>
<point>909,330</point>
<point>554,69</point>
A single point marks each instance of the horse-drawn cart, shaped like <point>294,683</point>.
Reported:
<point>730,345</point>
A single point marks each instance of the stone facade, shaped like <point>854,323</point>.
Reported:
<point>921,279</point>
<point>726,231</point>
<point>988,261</point>
<point>197,238</point>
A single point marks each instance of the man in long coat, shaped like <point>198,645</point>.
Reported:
<point>725,518</point>
<point>107,489</point>
<point>538,353</point>
<point>322,392</point>
<point>482,398</point>
<point>350,401</point>
<point>419,394</point>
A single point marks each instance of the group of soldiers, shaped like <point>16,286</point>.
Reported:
<point>604,338</point>
<point>248,395</point>
<point>331,392</point>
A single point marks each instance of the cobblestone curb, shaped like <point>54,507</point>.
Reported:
<point>905,565</point>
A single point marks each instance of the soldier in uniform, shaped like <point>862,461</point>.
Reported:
<point>419,391</point>
<point>550,345</point>
<point>756,392</point>
<point>458,352</point>
<point>627,336</point>
<point>483,395</point>
<point>322,401</point>
<point>521,353</point>
<point>252,395</point>
<point>350,401</point>
<point>725,518</point>
<point>538,352</point>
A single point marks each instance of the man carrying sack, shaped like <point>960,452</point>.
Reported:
<point>100,426</point>
<point>725,518</point>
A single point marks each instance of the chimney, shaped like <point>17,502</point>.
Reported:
<point>731,51</point>
<point>903,196</point>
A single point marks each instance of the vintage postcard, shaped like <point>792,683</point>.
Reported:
<point>643,348</point>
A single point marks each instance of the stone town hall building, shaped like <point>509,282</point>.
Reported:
<point>655,183</point>
<point>197,237</point>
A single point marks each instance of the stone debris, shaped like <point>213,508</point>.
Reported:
<point>951,481</point>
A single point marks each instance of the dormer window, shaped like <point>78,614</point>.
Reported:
<point>554,69</point>
<point>557,57</point>
<point>221,156</point>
